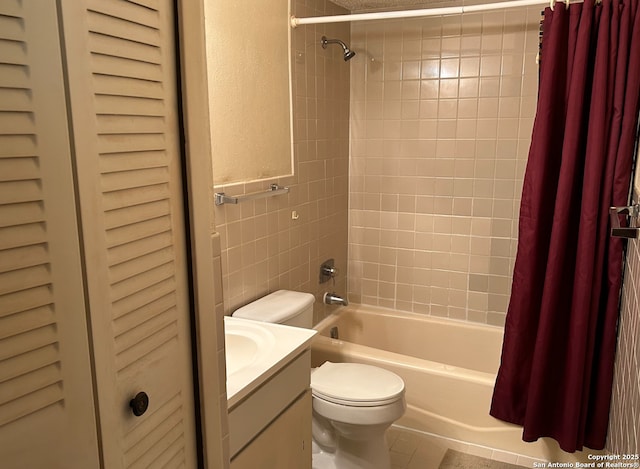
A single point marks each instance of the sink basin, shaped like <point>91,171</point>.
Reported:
<point>242,352</point>
<point>246,343</point>
<point>256,350</point>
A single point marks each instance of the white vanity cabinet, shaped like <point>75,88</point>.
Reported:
<point>286,442</point>
<point>271,427</point>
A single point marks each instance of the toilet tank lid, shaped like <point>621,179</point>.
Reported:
<point>276,307</point>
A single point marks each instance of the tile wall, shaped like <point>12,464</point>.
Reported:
<point>441,118</point>
<point>452,99</point>
<point>624,424</point>
<point>280,242</point>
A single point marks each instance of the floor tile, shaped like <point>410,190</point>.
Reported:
<point>414,450</point>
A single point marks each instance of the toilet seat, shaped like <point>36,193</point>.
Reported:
<point>356,385</point>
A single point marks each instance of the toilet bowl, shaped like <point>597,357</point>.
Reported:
<point>353,404</point>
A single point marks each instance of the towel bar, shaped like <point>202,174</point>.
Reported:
<point>221,198</point>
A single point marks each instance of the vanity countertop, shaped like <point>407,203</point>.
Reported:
<point>255,351</point>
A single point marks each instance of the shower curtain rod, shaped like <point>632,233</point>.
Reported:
<point>295,22</point>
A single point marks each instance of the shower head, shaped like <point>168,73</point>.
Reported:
<point>348,53</point>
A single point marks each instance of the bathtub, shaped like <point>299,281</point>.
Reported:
<point>449,369</point>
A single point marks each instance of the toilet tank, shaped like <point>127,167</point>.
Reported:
<point>282,307</point>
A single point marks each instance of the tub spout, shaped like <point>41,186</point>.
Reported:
<point>333,299</point>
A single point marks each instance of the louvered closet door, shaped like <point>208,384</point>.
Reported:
<point>47,415</point>
<point>123,92</point>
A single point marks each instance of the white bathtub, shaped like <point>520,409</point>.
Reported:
<point>449,369</point>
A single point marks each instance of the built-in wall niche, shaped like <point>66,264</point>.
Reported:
<point>248,54</point>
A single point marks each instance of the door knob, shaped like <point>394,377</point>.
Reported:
<point>139,404</point>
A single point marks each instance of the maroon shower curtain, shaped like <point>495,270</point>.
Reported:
<point>556,372</point>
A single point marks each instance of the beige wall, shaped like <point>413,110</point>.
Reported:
<point>263,248</point>
<point>624,424</point>
<point>246,40</point>
<point>441,117</point>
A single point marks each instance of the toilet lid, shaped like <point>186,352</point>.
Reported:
<point>356,384</point>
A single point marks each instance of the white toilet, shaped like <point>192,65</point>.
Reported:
<point>353,404</point>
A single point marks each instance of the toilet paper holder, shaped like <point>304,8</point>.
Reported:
<point>631,230</point>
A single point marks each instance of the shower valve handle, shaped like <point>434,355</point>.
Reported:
<point>328,271</point>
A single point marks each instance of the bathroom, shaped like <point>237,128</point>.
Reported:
<point>409,161</point>
<point>407,169</point>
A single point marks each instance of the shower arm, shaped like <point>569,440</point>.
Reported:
<point>326,41</point>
